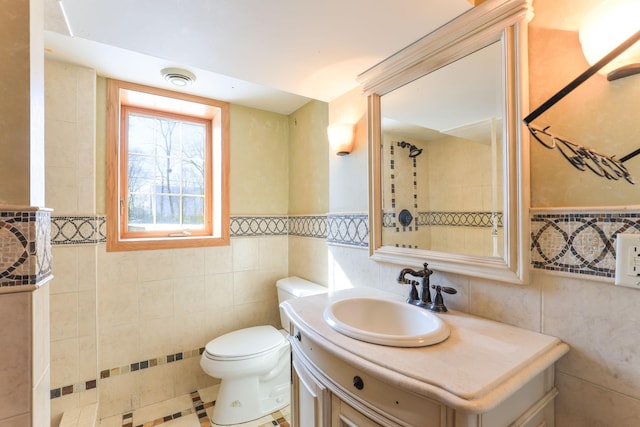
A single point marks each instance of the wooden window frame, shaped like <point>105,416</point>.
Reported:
<point>215,115</point>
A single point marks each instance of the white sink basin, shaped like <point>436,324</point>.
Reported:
<point>384,322</point>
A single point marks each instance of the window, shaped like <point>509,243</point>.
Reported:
<point>167,169</point>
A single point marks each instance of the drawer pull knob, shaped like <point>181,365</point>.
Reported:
<point>358,383</point>
<point>298,336</point>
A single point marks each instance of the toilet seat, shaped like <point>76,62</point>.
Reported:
<point>244,343</point>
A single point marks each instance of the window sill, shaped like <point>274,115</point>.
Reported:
<point>117,245</point>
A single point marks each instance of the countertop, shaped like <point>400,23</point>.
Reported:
<point>477,367</point>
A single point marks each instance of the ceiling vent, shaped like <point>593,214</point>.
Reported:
<point>178,76</point>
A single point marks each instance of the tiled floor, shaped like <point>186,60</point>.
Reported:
<point>189,410</point>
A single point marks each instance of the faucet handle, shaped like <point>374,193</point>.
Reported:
<point>438,301</point>
<point>413,293</point>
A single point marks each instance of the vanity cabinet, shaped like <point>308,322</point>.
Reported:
<point>505,379</point>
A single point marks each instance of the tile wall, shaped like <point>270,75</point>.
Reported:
<point>127,329</point>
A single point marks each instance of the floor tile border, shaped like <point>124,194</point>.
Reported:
<point>150,363</point>
<point>126,369</point>
<point>198,407</point>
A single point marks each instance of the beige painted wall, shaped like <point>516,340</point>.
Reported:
<point>347,188</point>
<point>599,114</point>
<point>259,162</point>
<point>308,160</point>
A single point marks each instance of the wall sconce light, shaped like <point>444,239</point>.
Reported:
<point>606,27</point>
<point>341,138</point>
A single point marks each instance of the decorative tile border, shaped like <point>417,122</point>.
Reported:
<point>573,242</point>
<point>259,226</point>
<point>460,219</point>
<point>25,249</point>
<point>581,243</point>
<point>455,219</point>
<point>348,229</point>
<point>198,407</point>
<point>90,230</point>
<point>308,226</point>
<point>73,388</point>
<point>75,230</point>
<point>121,370</point>
<point>150,363</point>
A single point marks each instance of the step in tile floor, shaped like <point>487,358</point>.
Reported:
<point>189,410</point>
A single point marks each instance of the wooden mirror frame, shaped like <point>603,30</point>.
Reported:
<point>493,20</point>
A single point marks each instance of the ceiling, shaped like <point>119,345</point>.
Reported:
<point>273,55</point>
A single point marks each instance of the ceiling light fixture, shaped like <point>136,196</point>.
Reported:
<point>178,76</point>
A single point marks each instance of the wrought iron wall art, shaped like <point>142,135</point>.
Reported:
<point>583,158</point>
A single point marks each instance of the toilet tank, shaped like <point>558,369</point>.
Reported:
<point>295,287</point>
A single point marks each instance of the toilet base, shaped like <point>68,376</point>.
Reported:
<point>244,399</point>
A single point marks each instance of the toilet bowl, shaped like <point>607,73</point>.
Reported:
<point>254,364</point>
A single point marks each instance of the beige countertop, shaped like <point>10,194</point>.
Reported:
<point>477,367</point>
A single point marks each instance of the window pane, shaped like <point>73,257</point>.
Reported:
<point>141,174</point>
<point>167,210</point>
<point>193,211</point>
<point>141,134</point>
<point>166,179</point>
<point>168,175</point>
<point>140,209</point>
<point>193,177</point>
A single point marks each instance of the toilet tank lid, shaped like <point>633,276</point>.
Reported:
<point>299,287</point>
<point>245,342</point>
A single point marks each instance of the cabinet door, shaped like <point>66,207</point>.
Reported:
<point>310,403</point>
<point>344,415</point>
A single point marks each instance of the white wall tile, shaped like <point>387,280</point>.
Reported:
<point>600,322</point>
<point>64,316</point>
<point>246,253</point>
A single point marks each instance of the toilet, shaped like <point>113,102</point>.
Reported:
<point>253,364</point>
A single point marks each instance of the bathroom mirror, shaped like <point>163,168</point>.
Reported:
<point>449,181</point>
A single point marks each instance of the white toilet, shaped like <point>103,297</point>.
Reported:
<point>253,364</point>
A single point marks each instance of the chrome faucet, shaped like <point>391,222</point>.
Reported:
<point>425,296</point>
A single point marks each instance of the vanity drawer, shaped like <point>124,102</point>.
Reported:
<point>376,399</point>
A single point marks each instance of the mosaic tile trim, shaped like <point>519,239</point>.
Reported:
<point>581,243</point>
<point>150,363</point>
<point>199,408</point>
<point>121,370</point>
<point>43,245</point>
<point>308,226</point>
<point>75,230</point>
<point>259,226</point>
<point>25,249</point>
<point>348,229</point>
<point>73,388</point>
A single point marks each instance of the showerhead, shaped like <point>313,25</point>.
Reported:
<point>413,150</point>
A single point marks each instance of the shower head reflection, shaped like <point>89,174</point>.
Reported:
<point>413,150</point>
